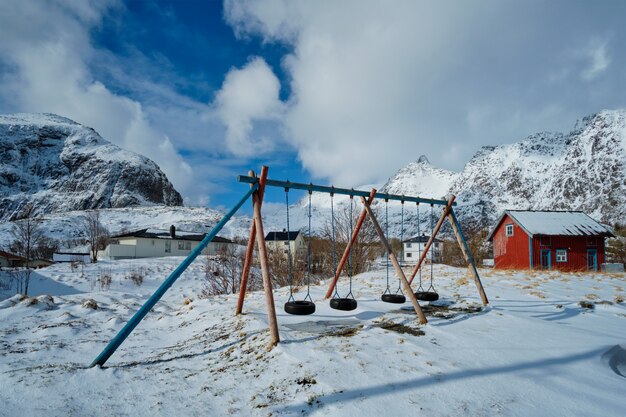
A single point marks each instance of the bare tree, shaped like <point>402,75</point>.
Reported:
<point>27,235</point>
<point>616,247</point>
<point>97,234</point>
<point>365,248</point>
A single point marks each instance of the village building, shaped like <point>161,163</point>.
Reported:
<point>280,242</point>
<point>10,260</point>
<point>155,243</point>
<point>561,240</point>
<point>414,247</point>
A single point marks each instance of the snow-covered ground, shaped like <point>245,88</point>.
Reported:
<point>534,351</point>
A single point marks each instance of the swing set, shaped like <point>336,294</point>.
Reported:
<point>306,306</point>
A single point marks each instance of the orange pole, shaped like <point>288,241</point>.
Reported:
<point>250,249</point>
<point>346,252</point>
<point>446,210</point>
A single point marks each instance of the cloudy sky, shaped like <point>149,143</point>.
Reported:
<point>342,92</point>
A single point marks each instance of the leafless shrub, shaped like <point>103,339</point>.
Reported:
<point>97,234</point>
<point>222,273</point>
<point>136,274</point>
<point>105,279</point>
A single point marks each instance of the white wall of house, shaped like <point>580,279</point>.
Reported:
<point>139,247</point>
<point>298,245</point>
<point>413,251</point>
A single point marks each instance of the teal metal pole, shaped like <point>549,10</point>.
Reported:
<point>141,313</point>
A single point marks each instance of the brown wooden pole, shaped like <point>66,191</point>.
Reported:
<point>346,252</point>
<point>265,271</point>
<point>446,210</point>
<point>466,254</point>
<point>394,260</point>
<point>250,249</point>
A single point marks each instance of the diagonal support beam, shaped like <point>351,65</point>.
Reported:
<point>456,227</point>
<point>245,273</point>
<point>405,284</point>
<point>346,252</point>
<point>446,210</point>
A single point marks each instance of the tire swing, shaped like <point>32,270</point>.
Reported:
<point>429,294</point>
<point>293,306</point>
<point>347,303</point>
<point>388,296</point>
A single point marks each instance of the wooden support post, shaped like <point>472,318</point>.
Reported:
<point>467,255</point>
<point>346,252</point>
<point>250,249</point>
<point>446,210</point>
<point>265,271</point>
<point>405,284</point>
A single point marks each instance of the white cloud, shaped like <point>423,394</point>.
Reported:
<point>248,96</point>
<point>45,45</point>
<point>598,58</point>
<point>374,86</point>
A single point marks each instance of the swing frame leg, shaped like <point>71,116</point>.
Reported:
<point>394,260</point>
<point>346,252</point>
<point>446,210</point>
<point>456,227</point>
<point>250,248</point>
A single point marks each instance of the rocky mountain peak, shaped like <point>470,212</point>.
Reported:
<point>56,164</point>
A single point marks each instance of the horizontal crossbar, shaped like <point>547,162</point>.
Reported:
<point>345,191</point>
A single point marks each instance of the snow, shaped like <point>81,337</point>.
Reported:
<point>557,223</point>
<point>534,351</point>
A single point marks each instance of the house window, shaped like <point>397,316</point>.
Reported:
<point>509,230</point>
<point>286,243</point>
<point>408,245</point>
<point>181,245</point>
<point>409,254</point>
<point>168,246</point>
<point>561,255</point>
<point>187,245</point>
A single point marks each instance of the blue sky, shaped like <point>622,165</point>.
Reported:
<point>343,92</point>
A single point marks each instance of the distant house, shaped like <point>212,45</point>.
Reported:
<point>154,243</point>
<point>562,240</point>
<point>10,260</point>
<point>414,247</point>
<point>278,242</point>
<point>83,257</point>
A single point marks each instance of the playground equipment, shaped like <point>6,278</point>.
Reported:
<point>388,296</point>
<point>256,192</point>
<point>347,303</point>
<point>429,294</point>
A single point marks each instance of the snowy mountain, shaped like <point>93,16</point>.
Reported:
<point>581,170</point>
<point>59,165</point>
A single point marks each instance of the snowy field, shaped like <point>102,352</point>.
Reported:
<point>534,351</point>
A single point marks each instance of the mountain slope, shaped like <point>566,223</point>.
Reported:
<point>581,170</point>
<point>57,165</point>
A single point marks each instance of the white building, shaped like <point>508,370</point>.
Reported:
<point>414,247</point>
<point>154,243</point>
<point>278,241</point>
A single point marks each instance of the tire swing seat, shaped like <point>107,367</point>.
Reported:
<point>343,304</point>
<point>393,298</point>
<point>426,296</point>
<point>300,307</point>
<point>347,303</point>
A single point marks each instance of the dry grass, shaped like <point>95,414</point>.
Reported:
<point>591,297</point>
<point>619,298</point>
<point>538,294</point>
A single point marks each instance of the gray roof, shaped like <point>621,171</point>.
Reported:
<point>165,234</point>
<point>554,223</point>
<point>421,239</point>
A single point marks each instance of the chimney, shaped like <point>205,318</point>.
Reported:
<point>172,231</point>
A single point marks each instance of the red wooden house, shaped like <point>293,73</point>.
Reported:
<point>563,240</point>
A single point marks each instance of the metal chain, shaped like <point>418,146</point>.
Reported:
<point>308,271</point>
<point>291,299</point>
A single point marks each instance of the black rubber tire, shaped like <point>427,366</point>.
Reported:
<point>300,307</point>
<point>344,304</point>
<point>393,298</point>
<point>427,296</point>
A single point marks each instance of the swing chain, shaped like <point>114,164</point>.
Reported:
<point>308,272</point>
<point>291,299</point>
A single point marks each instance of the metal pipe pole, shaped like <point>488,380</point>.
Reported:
<point>145,309</point>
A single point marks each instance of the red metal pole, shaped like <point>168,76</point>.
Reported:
<point>249,250</point>
<point>346,252</point>
<point>446,210</point>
